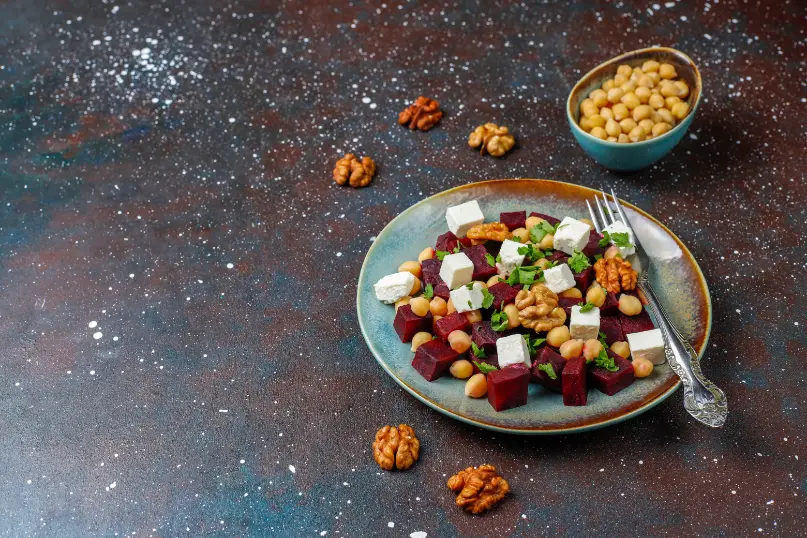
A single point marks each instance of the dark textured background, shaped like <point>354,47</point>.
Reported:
<point>132,178</point>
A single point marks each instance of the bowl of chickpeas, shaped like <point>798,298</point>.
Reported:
<point>630,111</point>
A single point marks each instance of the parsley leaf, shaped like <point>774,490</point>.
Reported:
<point>470,304</point>
<point>547,368</point>
<point>479,352</point>
<point>491,260</point>
<point>457,248</point>
<point>488,298</point>
<point>606,238</point>
<point>586,307</point>
<point>428,292</point>
<point>485,368</point>
<point>442,254</point>
<point>597,257</point>
<point>620,239</point>
<point>516,239</point>
<point>532,252</point>
<point>498,321</point>
<point>578,262</point>
<point>540,230</point>
<point>601,337</point>
<point>470,285</point>
<point>533,343</point>
<point>523,275</point>
<point>604,361</point>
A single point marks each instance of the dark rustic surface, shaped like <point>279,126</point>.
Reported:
<point>131,179</point>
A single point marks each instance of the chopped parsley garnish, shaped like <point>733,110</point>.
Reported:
<point>487,298</point>
<point>525,276</point>
<point>516,239</point>
<point>470,285</point>
<point>578,262</point>
<point>428,292</point>
<point>540,230</point>
<point>457,248</point>
<point>485,368</point>
<point>606,238</point>
<point>621,239</point>
<point>533,343</point>
<point>597,257</point>
<point>532,252</point>
<point>498,321</point>
<point>586,307</point>
<point>604,361</point>
<point>491,260</point>
<point>479,352</point>
<point>442,254</point>
<point>601,337</point>
<point>470,304</point>
<point>547,369</point>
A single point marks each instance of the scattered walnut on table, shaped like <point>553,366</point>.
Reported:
<point>357,173</point>
<point>491,138</point>
<point>615,275</point>
<point>478,488</point>
<point>538,308</point>
<point>422,114</point>
<point>396,447</point>
<point>494,231</point>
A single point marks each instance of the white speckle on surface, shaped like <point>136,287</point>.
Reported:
<point>338,254</point>
<point>232,120</point>
<point>230,266</point>
<point>292,469</point>
<point>391,525</point>
<point>92,324</point>
<point>224,411</point>
<point>418,534</point>
<point>92,372</point>
<point>131,275</point>
<point>683,18</point>
<point>98,335</point>
<point>365,100</point>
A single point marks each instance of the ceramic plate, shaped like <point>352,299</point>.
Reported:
<point>678,282</point>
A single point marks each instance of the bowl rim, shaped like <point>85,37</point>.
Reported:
<point>675,52</point>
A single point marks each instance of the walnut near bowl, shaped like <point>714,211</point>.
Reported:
<point>636,155</point>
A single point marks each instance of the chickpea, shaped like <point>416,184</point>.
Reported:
<point>608,84</point>
<point>619,79</point>
<point>410,267</point>
<point>650,137</point>
<point>588,221</point>
<point>630,100</point>
<point>637,71</point>
<point>512,316</point>
<point>476,386</point>
<point>680,110</point>
<point>426,254</point>
<point>607,113</point>
<point>532,222</point>
<point>647,125</point>
<point>670,102</point>
<point>630,305</point>
<point>623,139</point>
<point>596,296</point>
<point>637,134</point>
<point>645,81</point>
<point>643,94</point>
<point>621,349</point>
<point>473,316</point>
<point>669,89</point>
<point>547,242</point>
<point>596,121</point>
<point>655,100</point>
<point>450,309</point>
<point>557,336</point>
<point>590,110</point>
<point>666,116</point>
<point>642,112</point>
<point>492,281</point>
<point>655,77</point>
<point>586,103</point>
<point>627,125</point>
<point>600,98</point>
<point>459,341</point>
<point>591,348</point>
<point>624,70</point>
<point>667,71</point>
<point>612,128</point>
<point>419,306</point>
<point>419,339</point>
<point>642,368</point>
<point>402,301</point>
<point>435,319</point>
<point>480,283</point>
<point>571,349</point>
<point>542,263</point>
<point>620,111</point>
<point>461,369</point>
<point>683,88</point>
<point>438,306</point>
<point>650,66</point>
<point>612,139</point>
<point>656,117</point>
<point>416,285</point>
<point>660,128</point>
<point>522,233</point>
<point>599,132</point>
<point>628,87</point>
<point>611,252</point>
<point>572,293</point>
<point>614,95</point>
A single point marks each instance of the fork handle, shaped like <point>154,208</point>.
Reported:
<point>702,398</point>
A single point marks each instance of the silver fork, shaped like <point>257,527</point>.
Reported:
<point>702,398</point>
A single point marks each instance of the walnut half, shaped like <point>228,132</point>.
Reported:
<point>478,488</point>
<point>350,169</point>
<point>494,231</point>
<point>615,275</point>
<point>538,308</point>
<point>396,447</point>
<point>491,138</point>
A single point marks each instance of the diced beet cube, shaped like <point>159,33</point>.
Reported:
<point>584,278</point>
<point>574,383</point>
<point>446,242</point>
<point>441,290</point>
<point>548,355</point>
<point>482,269</point>
<point>593,246</point>
<point>492,360</point>
<point>612,328</point>
<point>612,382</point>
<point>433,359</point>
<point>503,294</point>
<point>558,256</point>
<point>465,242</point>
<point>407,323</point>
<point>513,219</point>
<point>431,271</point>
<point>567,303</point>
<point>452,322</point>
<point>635,324</point>
<point>485,337</point>
<point>508,387</point>
<point>551,220</point>
<point>611,306</point>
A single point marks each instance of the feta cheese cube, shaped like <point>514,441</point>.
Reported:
<point>509,256</point>
<point>513,350</point>
<point>571,235</point>
<point>618,227</point>
<point>457,270</point>
<point>463,217</point>
<point>585,325</point>
<point>466,299</point>
<point>647,345</point>
<point>393,287</point>
<point>559,278</point>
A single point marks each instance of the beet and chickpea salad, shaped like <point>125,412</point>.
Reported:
<point>527,299</point>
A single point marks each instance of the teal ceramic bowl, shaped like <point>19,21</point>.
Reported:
<point>677,281</point>
<point>638,155</point>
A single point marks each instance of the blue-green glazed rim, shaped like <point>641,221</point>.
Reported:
<point>681,287</point>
